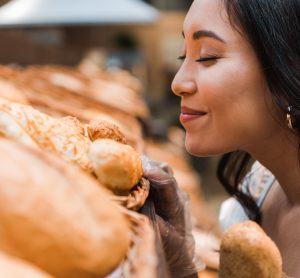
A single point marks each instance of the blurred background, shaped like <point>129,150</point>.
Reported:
<point>141,37</point>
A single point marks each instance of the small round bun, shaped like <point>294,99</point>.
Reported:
<point>117,166</point>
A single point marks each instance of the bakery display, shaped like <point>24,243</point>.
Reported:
<point>72,186</point>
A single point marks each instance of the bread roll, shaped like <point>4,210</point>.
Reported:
<point>117,166</point>
<point>246,251</point>
<point>57,217</point>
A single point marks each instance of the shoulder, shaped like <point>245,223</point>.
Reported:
<point>256,183</point>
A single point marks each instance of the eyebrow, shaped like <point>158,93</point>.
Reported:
<point>205,33</point>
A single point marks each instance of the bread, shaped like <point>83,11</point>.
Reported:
<point>50,133</point>
<point>74,123</point>
<point>57,217</point>
<point>11,267</point>
<point>117,166</point>
<point>246,251</point>
<point>10,91</point>
<point>98,129</point>
<point>9,128</point>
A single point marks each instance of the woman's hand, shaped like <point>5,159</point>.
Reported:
<point>173,219</point>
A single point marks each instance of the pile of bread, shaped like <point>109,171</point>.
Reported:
<point>70,187</point>
<point>72,182</point>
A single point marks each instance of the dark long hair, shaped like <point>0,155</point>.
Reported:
<point>272,27</point>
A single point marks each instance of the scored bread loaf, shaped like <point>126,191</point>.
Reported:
<point>57,217</point>
<point>59,136</point>
<point>9,90</point>
<point>9,128</point>
<point>246,251</point>
<point>116,165</point>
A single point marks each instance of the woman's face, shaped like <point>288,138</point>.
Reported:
<point>225,103</point>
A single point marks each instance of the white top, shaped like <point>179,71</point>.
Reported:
<point>257,184</point>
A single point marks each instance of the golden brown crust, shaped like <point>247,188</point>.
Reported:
<point>11,267</point>
<point>74,123</point>
<point>116,165</point>
<point>64,223</point>
<point>52,134</point>
<point>9,91</point>
<point>246,251</point>
<point>104,130</point>
<point>136,197</point>
<point>9,128</point>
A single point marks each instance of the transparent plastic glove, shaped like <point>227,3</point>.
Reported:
<point>173,218</point>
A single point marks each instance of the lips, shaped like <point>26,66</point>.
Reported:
<point>188,114</point>
<point>189,111</point>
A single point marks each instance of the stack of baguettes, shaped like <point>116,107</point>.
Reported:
<point>61,91</point>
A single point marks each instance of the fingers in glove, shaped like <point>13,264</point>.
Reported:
<point>168,205</point>
<point>177,253</point>
<point>156,170</point>
<point>164,192</point>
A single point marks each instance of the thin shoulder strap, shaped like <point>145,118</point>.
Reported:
<point>258,182</point>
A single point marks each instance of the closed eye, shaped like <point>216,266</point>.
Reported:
<point>202,59</point>
<point>181,58</point>
<point>208,58</point>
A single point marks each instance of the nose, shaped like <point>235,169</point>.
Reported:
<point>183,83</point>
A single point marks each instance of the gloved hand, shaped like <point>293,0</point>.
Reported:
<point>173,219</point>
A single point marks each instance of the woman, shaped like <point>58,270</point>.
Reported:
<point>239,85</point>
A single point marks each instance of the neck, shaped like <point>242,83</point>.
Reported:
<point>281,157</point>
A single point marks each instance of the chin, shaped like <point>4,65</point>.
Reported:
<point>195,150</point>
<point>201,150</point>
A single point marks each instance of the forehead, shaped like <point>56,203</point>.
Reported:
<point>206,14</point>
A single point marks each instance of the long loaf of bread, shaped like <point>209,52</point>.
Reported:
<point>57,217</point>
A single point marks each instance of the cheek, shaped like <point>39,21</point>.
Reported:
<point>235,92</point>
<point>239,115</point>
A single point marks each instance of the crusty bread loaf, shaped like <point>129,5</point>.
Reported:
<point>246,251</point>
<point>49,133</point>
<point>57,217</point>
<point>117,166</point>
<point>10,91</point>
<point>9,128</point>
<point>11,267</point>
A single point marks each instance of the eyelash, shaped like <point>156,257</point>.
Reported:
<point>204,59</point>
